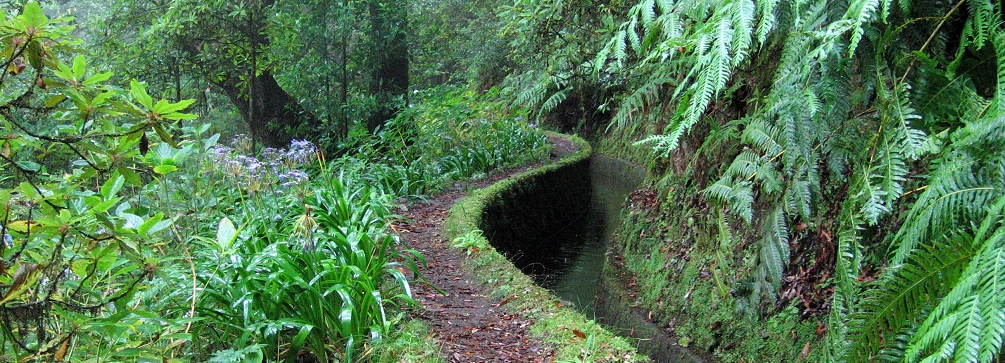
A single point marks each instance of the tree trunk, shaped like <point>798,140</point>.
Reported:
<point>390,78</point>
<point>277,118</point>
<point>273,116</point>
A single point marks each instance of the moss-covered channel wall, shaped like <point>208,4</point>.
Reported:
<point>524,219</point>
<point>501,208</point>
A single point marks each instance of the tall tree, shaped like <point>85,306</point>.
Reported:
<point>389,84</point>
<point>227,44</point>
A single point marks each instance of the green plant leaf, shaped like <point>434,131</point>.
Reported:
<point>164,135</point>
<point>112,186</point>
<point>164,107</point>
<point>55,100</point>
<point>98,78</point>
<point>79,67</point>
<point>33,16</point>
<point>165,169</point>
<point>225,235</point>
<point>24,277</point>
<point>139,92</point>
<point>29,165</point>
<point>148,225</point>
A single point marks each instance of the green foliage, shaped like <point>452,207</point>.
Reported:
<point>471,242</point>
<point>694,46</point>
<point>938,296</point>
<point>853,111</point>
<point>77,251</point>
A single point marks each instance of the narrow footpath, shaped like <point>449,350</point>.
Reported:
<point>468,324</point>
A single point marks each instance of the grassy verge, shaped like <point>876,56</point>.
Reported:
<point>574,337</point>
<point>412,343</point>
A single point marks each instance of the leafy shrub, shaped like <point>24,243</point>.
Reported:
<point>76,251</point>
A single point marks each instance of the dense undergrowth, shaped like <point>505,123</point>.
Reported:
<point>830,173</point>
<point>827,174</point>
<point>128,237</point>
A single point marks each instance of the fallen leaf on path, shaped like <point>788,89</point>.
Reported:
<point>804,353</point>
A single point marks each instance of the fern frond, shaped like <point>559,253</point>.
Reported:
<point>532,96</point>
<point>982,22</point>
<point>999,38</point>
<point>738,194</point>
<point>744,166</point>
<point>968,329</point>
<point>849,253</point>
<point>553,101</point>
<point>742,24</point>
<point>664,6</point>
<point>766,23</point>
<point>862,12</point>
<point>647,13</point>
<point>600,61</point>
<point>773,254</point>
<point>884,184</point>
<point>620,46</point>
<point>640,100</point>
<point>907,289</point>
<point>799,198</point>
<point>762,136</point>
<point>897,110</point>
<point>633,36</point>
<point>970,317</point>
<point>956,193</point>
<point>994,330</point>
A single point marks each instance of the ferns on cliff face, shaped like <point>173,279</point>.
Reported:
<point>871,96</point>
<point>699,43</point>
<point>944,292</point>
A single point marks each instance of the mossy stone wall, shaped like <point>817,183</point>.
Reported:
<point>559,326</point>
<point>522,220</point>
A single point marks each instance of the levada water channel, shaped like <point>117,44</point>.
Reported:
<point>557,231</point>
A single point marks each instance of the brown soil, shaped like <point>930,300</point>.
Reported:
<point>469,325</point>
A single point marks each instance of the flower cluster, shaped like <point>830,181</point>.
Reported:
<point>277,170</point>
<point>302,152</point>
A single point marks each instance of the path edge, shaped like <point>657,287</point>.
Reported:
<point>573,336</point>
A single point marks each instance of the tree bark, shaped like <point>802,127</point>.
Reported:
<point>276,118</point>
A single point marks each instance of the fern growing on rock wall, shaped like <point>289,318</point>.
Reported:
<point>695,46</point>
<point>943,296</point>
<point>876,99</point>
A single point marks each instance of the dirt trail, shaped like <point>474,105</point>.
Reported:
<point>469,325</point>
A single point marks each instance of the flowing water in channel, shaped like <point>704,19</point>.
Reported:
<point>576,273</point>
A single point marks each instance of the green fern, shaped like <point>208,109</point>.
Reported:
<point>774,248</point>
<point>738,194</point>
<point>954,276</point>
<point>971,316</point>
<point>862,12</point>
<point>845,69</point>
<point>707,53</point>
<point>905,290</point>
<point>999,37</point>
<point>959,188</point>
